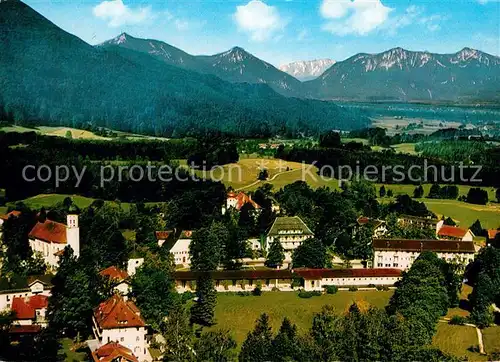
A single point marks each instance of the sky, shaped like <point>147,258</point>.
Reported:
<point>282,31</point>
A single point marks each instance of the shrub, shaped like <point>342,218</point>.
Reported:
<point>382,287</point>
<point>353,289</point>
<point>225,284</point>
<point>257,292</point>
<point>458,320</point>
<point>275,289</point>
<point>244,294</point>
<point>187,296</point>
<point>331,289</point>
<point>371,286</point>
<point>296,283</point>
<point>309,294</point>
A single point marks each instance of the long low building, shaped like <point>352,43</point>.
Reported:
<point>311,279</point>
<point>401,253</point>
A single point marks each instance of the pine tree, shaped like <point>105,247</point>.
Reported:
<point>418,192</point>
<point>216,346</point>
<point>382,191</point>
<point>477,229</point>
<point>390,193</point>
<point>434,192</point>
<point>202,312</point>
<point>285,345</point>
<point>257,345</point>
<point>276,255</point>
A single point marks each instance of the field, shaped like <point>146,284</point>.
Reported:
<point>491,339</point>
<point>238,314</point>
<point>457,340</point>
<point>408,148</point>
<point>393,125</point>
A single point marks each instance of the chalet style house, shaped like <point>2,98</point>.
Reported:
<point>291,231</point>
<point>30,311</point>
<point>118,278</point>
<point>379,226</point>
<point>49,238</point>
<point>237,201</point>
<point>447,232</point>
<point>421,222</point>
<point>401,253</point>
<point>312,279</point>
<point>119,320</point>
<point>113,352</point>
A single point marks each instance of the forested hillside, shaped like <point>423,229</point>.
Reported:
<point>50,76</point>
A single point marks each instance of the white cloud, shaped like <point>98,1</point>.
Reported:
<point>303,34</point>
<point>118,14</point>
<point>259,20</point>
<point>414,15</point>
<point>353,16</point>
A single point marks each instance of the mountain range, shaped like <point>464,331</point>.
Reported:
<point>50,76</point>
<point>307,69</point>
<point>399,74</point>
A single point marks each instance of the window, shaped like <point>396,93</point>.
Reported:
<point>138,339</point>
<point>122,339</point>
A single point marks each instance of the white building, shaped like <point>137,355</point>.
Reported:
<point>31,287</point>
<point>291,231</point>
<point>133,265</point>
<point>30,310</point>
<point>447,232</point>
<point>49,239</point>
<point>401,253</point>
<point>237,201</point>
<point>113,351</point>
<point>178,246</point>
<point>118,320</point>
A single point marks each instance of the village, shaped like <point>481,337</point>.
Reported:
<point>121,333</point>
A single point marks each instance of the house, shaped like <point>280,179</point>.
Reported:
<point>163,236</point>
<point>237,201</point>
<point>492,233</point>
<point>379,226</point>
<point>49,238</point>
<point>30,310</point>
<point>311,279</point>
<point>291,231</point>
<point>421,222</point>
<point>447,232</point>
<point>25,288</point>
<point>111,352</point>
<point>134,264</point>
<point>119,320</point>
<point>401,253</point>
<point>177,245</point>
<point>118,278</point>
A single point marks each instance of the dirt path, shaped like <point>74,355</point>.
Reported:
<point>268,180</point>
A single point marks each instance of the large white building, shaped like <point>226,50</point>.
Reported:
<point>401,253</point>
<point>119,320</point>
<point>290,231</point>
<point>30,287</point>
<point>49,238</point>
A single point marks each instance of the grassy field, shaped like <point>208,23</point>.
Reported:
<point>491,339</point>
<point>239,313</point>
<point>72,355</point>
<point>408,148</point>
<point>456,340</point>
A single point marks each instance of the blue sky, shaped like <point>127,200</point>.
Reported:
<point>281,31</point>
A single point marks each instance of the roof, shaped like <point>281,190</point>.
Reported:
<point>24,283</point>
<point>419,218</point>
<point>112,351</point>
<point>375,223</point>
<point>289,223</point>
<point>243,199</point>
<point>114,273</point>
<point>186,234</point>
<point>49,231</point>
<point>164,235</point>
<point>118,313</point>
<point>29,329</point>
<point>289,274</point>
<point>13,213</point>
<point>25,308</point>
<point>452,231</point>
<point>443,246</point>
<point>492,233</point>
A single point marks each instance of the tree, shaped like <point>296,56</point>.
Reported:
<point>330,139</point>
<point>263,174</point>
<point>153,287</point>
<point>207,247</point>
<point>477,229</point>
<point>257,345</point>
<point>203,310</point>
<point>310,254</point>
<point>497,195</point>
<point>390,193</point>
<point>77,290</point>
<point>325,332</point>
<point>477,196</point>
<point>382,191</point>
<point>216,346</point>
<point>276,254</point>
<point>434,192</point>
<point>285,345</point>
<point>178,335</point>
<point>449,221</point>
<point>418,193</point>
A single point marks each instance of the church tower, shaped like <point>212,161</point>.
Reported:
<point>73,234</point>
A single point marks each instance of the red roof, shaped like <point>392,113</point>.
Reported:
<point>114,273</point>
<point>26,309</point>
<point>16,329</point>
<point>452,231</point>
<point>113,351</point>
<point>243,199</point>
<point>163,235</point>
<point>118,313</point>
<point>492,233</point>
<point>49,231</point>
<point>444,246</point>
<point>13,213</point>
<point>186,234</point>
